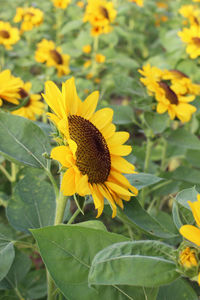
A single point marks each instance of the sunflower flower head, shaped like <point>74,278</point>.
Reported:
<point>29,17</point>
<point>61,3</point>
<point>48,53</point>
<point>9,88</point>
<point>191,37</point>
<point>8,35</point>
<point>187,258</point>
<point>100,14</point>
<point>92,150</point>
<point>32,107</point>
<point>138,2</point>
<point>173,91</point>
<point>191,13</point>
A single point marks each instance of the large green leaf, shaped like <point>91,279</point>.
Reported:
<point>134,215</point>
<point>185,139</point>
<point>141,263</point>
<point>187,174</point>
<point>68,251</point>
<point>32,204</point>
<point>177,290</point>
<point>7,252</point>
<point>142,180</point>
<point>20,267</point>
<point>22,141</point>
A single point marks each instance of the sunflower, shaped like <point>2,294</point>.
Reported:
<point>9,87</point>
<point>138,2</point>
<point>61,3</point>
<point>190,12</point>
<point>100,14</point>
<point>172,92</point>
<point>8,35</point>
<point>52,55</point>
<point>33,107</point>
<point>100,58</point>
<point>191,36</point>
<point>92,150</point>
<point>29,16</point>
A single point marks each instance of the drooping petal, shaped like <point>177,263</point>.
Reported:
<point>191,233</point>
<point>105,192</point>
<point>118,189</point>
<point>68,186</point>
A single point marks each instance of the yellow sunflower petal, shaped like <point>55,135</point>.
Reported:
<point>63,155</point>
<point>68,186</point>
<point>108,131</point>
<point>191,233</point>
<point>71,97</point>
<point>51,93</point>
<point>108,196</point>
<point>118,189</point>
<point>195,206</point>
<point>72,146</point>
<point>98,199</point>
<point>89,105</point>
<point>118,163</point>
<point>102,118</point>
<point>82,187</point>
<point>118,138</point>
<point>161,108</point>
<point>121,150</point>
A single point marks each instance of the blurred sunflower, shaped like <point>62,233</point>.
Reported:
<point>8,35</point>
<point>138,2</point>
<point>92,150</point>
<point>29,16</point>
<point>100,14</point>
<point>48,53</point>
<point>190,12</point>
<point>33,107</point>
<point>191,36</point>
<point>172,91</point>
<point>100,58</point>
<point>61,3</point>
<point>9,87</point>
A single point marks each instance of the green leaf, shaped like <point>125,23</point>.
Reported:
<point>134,215</point>
<point>142,180</point>
<point>185,139</point>
<point>7,252</point>
<point>32,205</point>
<point>73,248</point>
<point>92,224</point>
<point>177,290</point>
<point>35,285</point>
<point>158,123</point>
<point>141,263</point>
<point>69,26</point>
<point>187,195</point>
<point>22,141</point>
<point>187,174</point>
<point>17,272</point>
<point>122,114</point>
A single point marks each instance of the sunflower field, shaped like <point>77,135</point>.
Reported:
<point>100,149</point>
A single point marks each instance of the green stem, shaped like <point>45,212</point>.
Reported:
<point>163,159</point>
<point>50,287</point>
<point>5,172</point>
<point>14,169</point>
<point>73,217</point>
<point>53,182</point>
<point>95,49</point>
<point>19,294</point>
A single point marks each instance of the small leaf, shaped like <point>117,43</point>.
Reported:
<point>122,114</point>
<point>69,26</point>
<point>158,123</point>
<point>141,263</point>
<point>22,141</point>
<point>142,180</point>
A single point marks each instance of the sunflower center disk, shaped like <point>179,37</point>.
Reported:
<point>169,93</point>
<point>92,155</point>
<point>4,34</point>
<point>56,56</point>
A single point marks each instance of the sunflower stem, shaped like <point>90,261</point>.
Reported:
<point>73,217</point>
<point>56,190</point>
<point>163,158</point>
<point>19,295</point>
<point>5,172</point>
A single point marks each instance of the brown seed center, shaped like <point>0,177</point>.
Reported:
<point>23,93</point>
<point>92,155</point>
<point>169,93</point>
<point>57,57</point>
<point>104,12</point>
<point>4,34</point>
<point>196,40</point>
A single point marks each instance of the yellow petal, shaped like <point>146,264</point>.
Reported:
<point>195,206</point>
<point>82,187</point>
<point>121,150</point>
<point>71,97</point>
<point>89,105</point>
<point>102,118</point>
<point>191,233</point>
<point>98,199</point>
<point>118,189</point>
<point>161,108</point>
<point>120,164</point>
<point>118,138</point>
<point>72,146</point>
<point>68,183</point>
<point>63,127</point>
<point>198,279</point>
<point>53,97</point>
<point>108,131</point>
<point>108,196</point>
<point>63,155</point>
